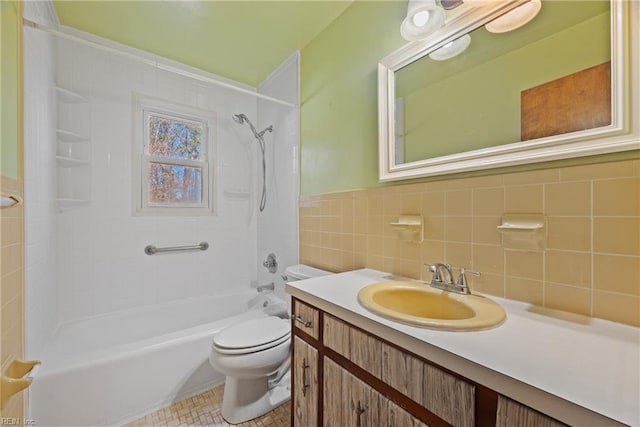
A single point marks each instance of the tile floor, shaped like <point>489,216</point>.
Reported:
<point>204,410</point>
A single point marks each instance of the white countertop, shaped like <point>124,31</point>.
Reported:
<point>535,353</point>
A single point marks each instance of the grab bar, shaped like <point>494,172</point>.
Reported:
<point>150,249</point>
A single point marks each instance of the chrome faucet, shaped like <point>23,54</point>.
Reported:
<point>271,263</point>
<point>443,278</point>
<point>269,287</point>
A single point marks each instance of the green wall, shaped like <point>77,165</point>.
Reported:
<point>339,98</point>
<point>9,88</point>
<point>339,134</point>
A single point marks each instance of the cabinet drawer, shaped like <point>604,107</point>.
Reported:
<point>443,394</point>
<point>511,413</point>
<point>306,319</point>
<point>360,348</point>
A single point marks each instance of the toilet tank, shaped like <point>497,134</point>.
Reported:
<point>301,272</point>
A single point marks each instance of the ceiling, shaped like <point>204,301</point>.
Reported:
<point>241,40</point>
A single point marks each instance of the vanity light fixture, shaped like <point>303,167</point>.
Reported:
<point>423,18</point>
<point>515,18</point>
<point>451,49</point>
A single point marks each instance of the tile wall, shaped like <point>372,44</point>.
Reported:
<point>101,264</point>
<point>590,266</point>
<point>11,289</point>
<point>40,180</point>
<point>277,231</point>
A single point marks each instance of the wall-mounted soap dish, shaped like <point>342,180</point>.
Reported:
<point>409,228</point>
<point>523,231</point>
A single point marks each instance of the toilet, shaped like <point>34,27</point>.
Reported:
<point>255,357</point>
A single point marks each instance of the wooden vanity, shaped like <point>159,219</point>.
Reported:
<point>344,376</point>
<point>350,370</point>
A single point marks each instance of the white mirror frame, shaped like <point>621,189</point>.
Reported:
<point>622,134</point>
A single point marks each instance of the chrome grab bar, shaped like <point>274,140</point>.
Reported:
<point>151,250</point>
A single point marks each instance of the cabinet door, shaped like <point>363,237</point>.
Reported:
<point>398,417</point>
<point>349,402</point>
<point>514,414</point>
<point>305,386</point>
<point>334,401</point>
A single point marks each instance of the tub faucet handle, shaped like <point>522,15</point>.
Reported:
<point>271,263</point>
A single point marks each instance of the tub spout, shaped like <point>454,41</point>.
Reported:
<point>268,287</point>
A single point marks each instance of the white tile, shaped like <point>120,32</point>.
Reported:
<point>98,248</point>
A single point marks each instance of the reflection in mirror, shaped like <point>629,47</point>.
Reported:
<point>550,77</point>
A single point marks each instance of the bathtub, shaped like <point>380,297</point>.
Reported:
<point>115,368</point>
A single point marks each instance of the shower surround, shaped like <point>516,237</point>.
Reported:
<point>86,263</point>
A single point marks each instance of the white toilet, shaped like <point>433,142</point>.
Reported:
<point>254,356</point>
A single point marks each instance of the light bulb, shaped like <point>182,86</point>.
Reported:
<point>421,18</point>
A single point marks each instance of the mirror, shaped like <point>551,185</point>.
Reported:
<point>558,87</point>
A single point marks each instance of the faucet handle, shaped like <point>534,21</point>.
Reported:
<point>462,278</point>
<point>433,268</point>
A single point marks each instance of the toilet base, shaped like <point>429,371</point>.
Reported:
<point>247,398</point>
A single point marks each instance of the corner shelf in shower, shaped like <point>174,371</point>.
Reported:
<point>70,162</point>
<point>70,97</point>
<point>69,203</point>
<point>73,149</point>
<point>68,136</point>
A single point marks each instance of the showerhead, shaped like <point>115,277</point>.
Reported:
<point>239,118</point>
<point>242,119</point>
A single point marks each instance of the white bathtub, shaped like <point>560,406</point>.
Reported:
<point>112,369</point>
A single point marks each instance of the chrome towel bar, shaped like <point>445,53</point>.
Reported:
<point>150,249</point>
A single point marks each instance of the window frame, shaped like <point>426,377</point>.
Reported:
<point>144,106</point>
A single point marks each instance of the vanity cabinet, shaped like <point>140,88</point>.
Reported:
<point>344,376</point>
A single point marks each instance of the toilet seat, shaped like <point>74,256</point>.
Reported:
<point>252,335</point>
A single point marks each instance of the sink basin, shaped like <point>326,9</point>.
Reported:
<point>418,304</point>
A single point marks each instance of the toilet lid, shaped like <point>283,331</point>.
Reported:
<point>252,333</point>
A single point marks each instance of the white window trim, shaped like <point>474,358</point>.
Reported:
<point>142,105</point>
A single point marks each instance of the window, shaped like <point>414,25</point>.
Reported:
<point>175,151</point>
